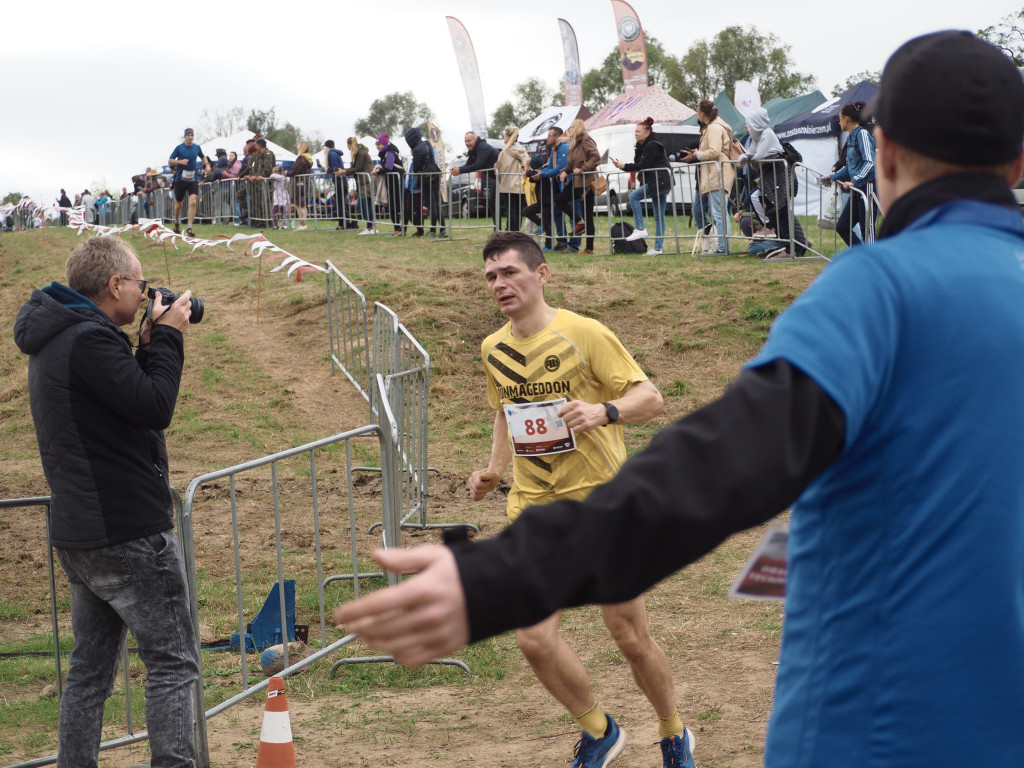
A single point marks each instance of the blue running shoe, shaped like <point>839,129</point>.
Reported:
<point>597,753</point>
<point>677,752</point>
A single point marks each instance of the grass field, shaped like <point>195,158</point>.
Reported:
<point>252,388</point>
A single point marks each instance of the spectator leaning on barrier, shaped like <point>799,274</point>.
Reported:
<point>510,167</point>
<point>532,189</point>
<point>219,166</point>
<point>99,412</point>
<point>336,167</point>
<point>887,406</point>
<point>718,174</point>
<point>390,166</point>
<point>185,158</point>
<point>362,170</point>
<point>425,177</point>
<point>576,199</point>
<point>260,165</point>
<point>654,180</point>
<point>775,181</point>
<point>548,188</point>
<point>480,157</point>
<point>857,171</point>
<point>300,173</point>
<point>234,166</point>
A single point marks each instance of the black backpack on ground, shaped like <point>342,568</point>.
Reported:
<point>619,232</point>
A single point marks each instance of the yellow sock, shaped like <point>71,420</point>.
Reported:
<point>670,726</point>
<point>594,721</point>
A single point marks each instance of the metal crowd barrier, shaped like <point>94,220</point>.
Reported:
<point>391,538</point>
<point>402,369</point>
<point>782,220</point>
<point>613,206</point>
<point>349,331</point>
<point>426,210</point>
<point>472,201</point>
<point>392,469</point>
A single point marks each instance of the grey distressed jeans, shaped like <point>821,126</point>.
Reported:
<point>137,585</point>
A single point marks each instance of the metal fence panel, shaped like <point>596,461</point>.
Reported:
<point>349,330</point>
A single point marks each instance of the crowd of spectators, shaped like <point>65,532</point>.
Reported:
<point>551,192</point>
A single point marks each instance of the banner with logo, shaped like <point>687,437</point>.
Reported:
<point>571,52</point>
<point>632,47</point>
<point>435,141</point>
<point>746,97</point>
<point>466,58</point>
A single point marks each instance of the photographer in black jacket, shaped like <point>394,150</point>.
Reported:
<point>99,413</point>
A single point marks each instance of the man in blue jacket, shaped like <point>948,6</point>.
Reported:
<point>549,186</point>
<point>887,407</point>
<point>99,413</point>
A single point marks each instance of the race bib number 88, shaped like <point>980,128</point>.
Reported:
<point>536,430</point>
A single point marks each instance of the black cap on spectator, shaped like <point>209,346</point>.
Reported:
<point>954,97</point>
<point>262,141</point>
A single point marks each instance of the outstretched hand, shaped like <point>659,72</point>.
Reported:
<point>419,620</point>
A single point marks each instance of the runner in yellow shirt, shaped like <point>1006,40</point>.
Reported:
<point>561,386</point>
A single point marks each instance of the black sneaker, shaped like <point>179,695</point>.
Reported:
<point>189,232</point>
<point>177,228</point>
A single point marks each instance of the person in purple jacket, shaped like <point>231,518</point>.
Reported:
<point>391,167</point>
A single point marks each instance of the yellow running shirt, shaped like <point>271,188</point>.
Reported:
<point>576,358</point>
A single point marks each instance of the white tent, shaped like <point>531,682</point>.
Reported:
<point>236,143</point>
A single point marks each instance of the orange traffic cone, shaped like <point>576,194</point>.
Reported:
<point>276,748</point>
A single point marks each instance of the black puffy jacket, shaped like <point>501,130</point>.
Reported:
<point>99,413</point>
<point>422,154</point>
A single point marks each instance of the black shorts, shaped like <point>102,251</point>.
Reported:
<point>182,188</point>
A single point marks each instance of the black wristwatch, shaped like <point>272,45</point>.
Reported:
<point>613,413</point>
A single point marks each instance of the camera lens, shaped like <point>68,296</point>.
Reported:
<point>197,310</point>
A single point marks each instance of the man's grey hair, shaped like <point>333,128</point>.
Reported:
<point>90,267</point>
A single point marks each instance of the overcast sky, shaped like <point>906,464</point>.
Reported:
<point>95,92</point>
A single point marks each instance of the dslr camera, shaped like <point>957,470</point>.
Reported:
<point>168,297</point>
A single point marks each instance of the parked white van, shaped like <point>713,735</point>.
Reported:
<point>618,142</point>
